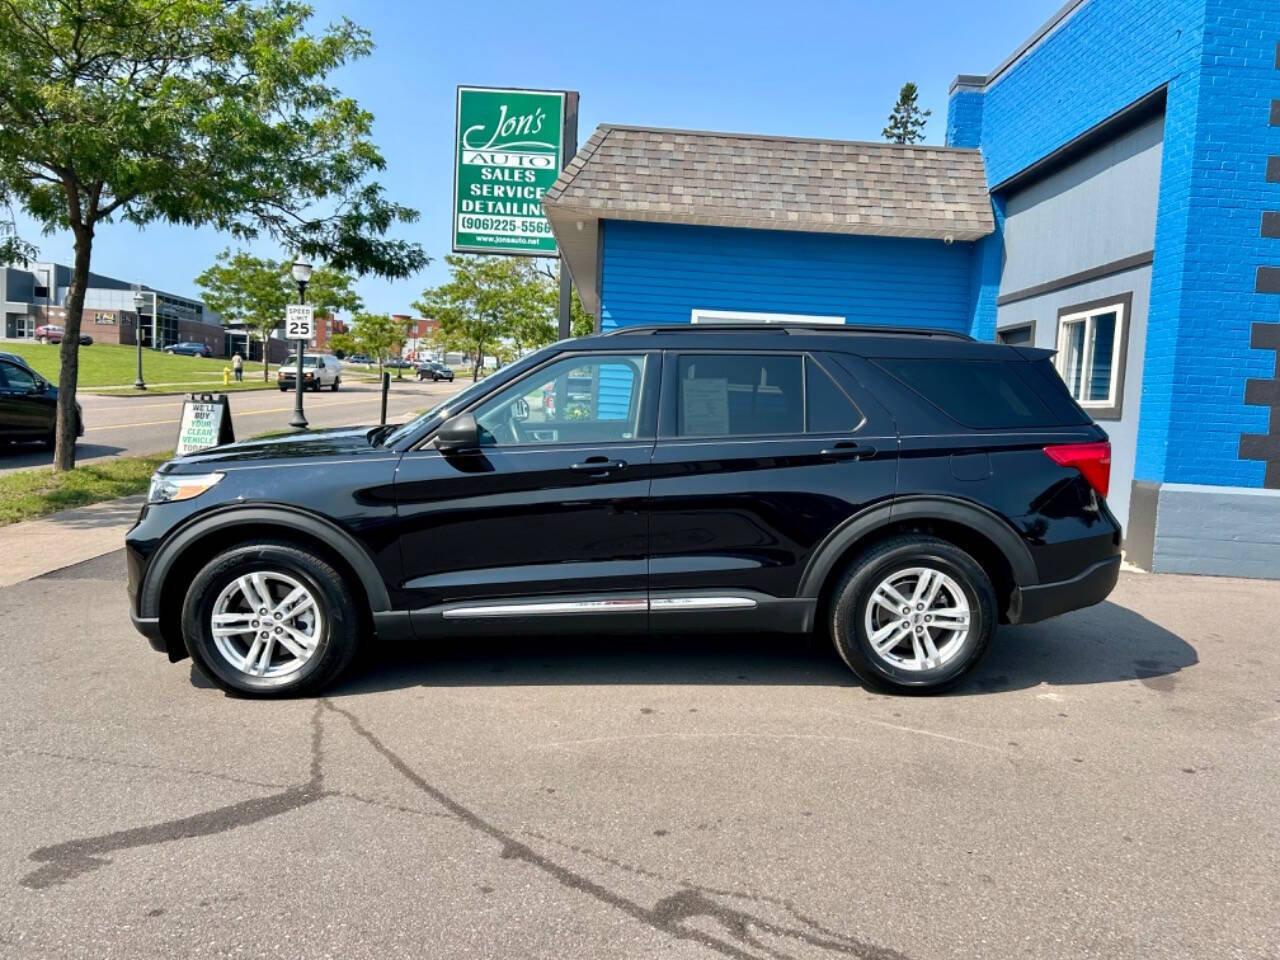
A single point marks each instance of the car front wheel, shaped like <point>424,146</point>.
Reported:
<point>913,614</point>
<point>269,619</point>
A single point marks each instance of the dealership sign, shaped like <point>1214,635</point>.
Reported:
<point>509,148</point>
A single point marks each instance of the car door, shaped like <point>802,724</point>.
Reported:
<point>544,525</point>
<point>25,412</point>
<point>760,455</point>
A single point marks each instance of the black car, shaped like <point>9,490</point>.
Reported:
<point>433,371</point>
<point>190,349</point>
<point>28,404</point>
<point>397,363</point>
<point>900,490</point>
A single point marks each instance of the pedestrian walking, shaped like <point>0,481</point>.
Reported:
<point>237,366</point>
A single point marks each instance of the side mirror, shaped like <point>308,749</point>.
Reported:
<point>42,386</point>
<point>458,434</point>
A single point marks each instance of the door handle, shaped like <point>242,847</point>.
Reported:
<point>599,466</point>
<point>847,450</point>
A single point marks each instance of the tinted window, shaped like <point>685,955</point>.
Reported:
<point>828,410</point>
<point>978,393</point>
<point>16,378</point>
<point>723,395</point>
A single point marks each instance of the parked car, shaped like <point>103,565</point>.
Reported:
<point>359,358</point>
<point>397,363</point>
<point>189,349</point>
<point>319,370</point>
<point>52,333</point>
<point>434,370</point>
<point>900,490</point>
<point>29,404</point>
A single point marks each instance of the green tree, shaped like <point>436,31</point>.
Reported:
<point>255,291</point>
<point>906,122</point>
<point>196,112</point>
<point>482,304</point>
<point>374,334</point>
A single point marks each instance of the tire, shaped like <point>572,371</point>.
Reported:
<point>284,389</point>
<point>904,666</point>
<point>333,627</point>
<point>336,381</point>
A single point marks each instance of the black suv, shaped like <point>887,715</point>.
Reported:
<point>901,490</point>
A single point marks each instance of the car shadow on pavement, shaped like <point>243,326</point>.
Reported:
<point>1104,644</point>
<point>20,456</point>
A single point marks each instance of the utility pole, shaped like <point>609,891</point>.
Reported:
<point>566,154</point>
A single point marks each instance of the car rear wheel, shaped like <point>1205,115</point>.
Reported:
<point>913,614</point>
<point>336,381</point>
<point>269,619</point>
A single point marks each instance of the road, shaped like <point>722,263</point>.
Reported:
<point>119,426</point>
<point>1104,786</point>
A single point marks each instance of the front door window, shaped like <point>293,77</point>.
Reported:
<point>592,399</point>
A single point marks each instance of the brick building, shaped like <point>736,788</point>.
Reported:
<point>326,325</point>
<point>420,334</point>
<point>1110,191</point>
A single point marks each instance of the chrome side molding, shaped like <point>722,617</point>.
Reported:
<point>537,608</point>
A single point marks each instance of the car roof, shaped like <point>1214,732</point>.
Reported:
<point>864,340</point>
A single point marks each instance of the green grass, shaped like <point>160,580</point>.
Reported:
<point>27,494</point>
<point>110,364</point>
<point>200,387</point>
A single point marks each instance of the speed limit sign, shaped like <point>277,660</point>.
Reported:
<point>299,322</point>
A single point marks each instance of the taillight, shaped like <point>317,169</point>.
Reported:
<point>1092,459</point>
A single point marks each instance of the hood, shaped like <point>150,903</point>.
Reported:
<point>345,442</point>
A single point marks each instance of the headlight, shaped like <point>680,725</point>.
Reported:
<point>170,487</point>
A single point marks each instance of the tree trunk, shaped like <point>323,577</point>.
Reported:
<point>266,358</point>
<point>64,453</point>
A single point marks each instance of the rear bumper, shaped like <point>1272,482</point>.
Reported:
<point>1044,600</point>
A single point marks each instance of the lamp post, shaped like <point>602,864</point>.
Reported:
<point>138,301</point>
<point>301,275</point>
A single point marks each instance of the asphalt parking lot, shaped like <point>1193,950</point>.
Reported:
<point>1104,786</point>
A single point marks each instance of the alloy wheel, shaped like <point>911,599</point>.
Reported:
<point>917,619</point>
<point>266,624</point>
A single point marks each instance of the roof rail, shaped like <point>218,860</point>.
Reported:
<point>855,329</point>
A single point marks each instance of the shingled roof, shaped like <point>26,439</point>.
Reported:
<point>763,183</point>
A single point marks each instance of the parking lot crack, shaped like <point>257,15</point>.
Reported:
<point>669,915</point>
<point>61,862</point>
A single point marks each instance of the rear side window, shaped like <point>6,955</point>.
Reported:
<point>827,409</point>
<point>979,393</point>
<point>725,394</point>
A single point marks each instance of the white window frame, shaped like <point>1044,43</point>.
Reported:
<point>699,315</point>
<point>1085,313</point>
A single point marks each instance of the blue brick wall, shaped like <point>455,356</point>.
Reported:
<point>964,119</point>
<point>658,273</point>
<point>1216,59</point>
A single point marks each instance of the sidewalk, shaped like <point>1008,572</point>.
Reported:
<point>35,547</point>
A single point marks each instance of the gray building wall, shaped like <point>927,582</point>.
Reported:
<point>1099,211</point>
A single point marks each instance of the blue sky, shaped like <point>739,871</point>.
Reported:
<point>803,68</point>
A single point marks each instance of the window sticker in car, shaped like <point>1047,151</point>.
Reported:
<point>705,406</point>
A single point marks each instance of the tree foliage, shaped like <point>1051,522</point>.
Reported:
<point>374,334</point>
<point>255,291</point>
<point>196,112</point>
<point>503,306</point>
<point>906,122</point>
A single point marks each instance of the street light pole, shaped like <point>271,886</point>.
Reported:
<point>301,275</point>
<point>138,301</point>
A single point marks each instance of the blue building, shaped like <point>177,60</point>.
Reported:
<point>1110,191</point>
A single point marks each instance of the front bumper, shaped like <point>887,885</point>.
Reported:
<point>1045,600</point>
